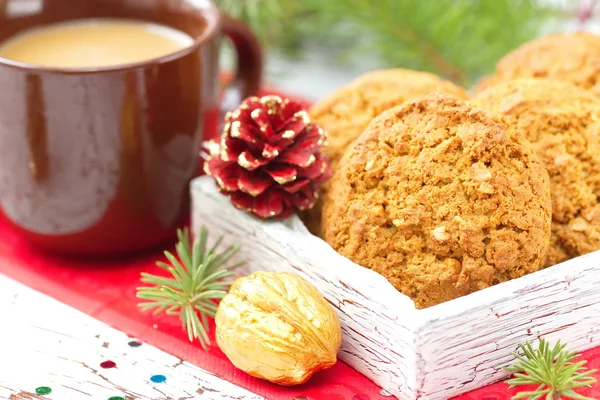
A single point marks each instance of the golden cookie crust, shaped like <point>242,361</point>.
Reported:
<point>562,122</point>
<point>441,199</point>
<point>347,112</point>
<point>573,57</point>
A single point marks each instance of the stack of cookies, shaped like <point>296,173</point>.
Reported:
<point>445,195</point>
<point>346,113</point>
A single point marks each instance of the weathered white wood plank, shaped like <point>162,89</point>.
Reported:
<point>434,353</point>
<point>46,343</point>
<point>463,344</point>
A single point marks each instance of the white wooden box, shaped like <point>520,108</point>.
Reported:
<point>435,353</point>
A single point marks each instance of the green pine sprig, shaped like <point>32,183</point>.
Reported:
<point>459,39</point>
<point>554,370</point>
<point>200,278</point>
<point>265,17</point>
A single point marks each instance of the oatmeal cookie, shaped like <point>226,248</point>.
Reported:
<point>441,199</point>
<point>348,111</point>
<point>572,57</point>
<point>562,121</point>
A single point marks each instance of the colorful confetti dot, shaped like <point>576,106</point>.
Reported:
<point>134,343</point>
<point>42,390</point>
<point>108,364</point>
<point>116,398</point>
<point>158,378</point>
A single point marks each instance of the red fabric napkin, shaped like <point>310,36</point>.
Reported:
<point>106,291</point>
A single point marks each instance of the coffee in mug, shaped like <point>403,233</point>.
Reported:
<point>91,43</point>
<point>104,105</point>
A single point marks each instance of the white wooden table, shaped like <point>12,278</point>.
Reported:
<point>44,343</point>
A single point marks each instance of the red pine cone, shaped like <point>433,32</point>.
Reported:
<point>268,159</point>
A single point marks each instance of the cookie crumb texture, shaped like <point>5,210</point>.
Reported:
<point>441,199</point>
<point>347,112</point>
<point>562,122</point>
<point>573,57</point>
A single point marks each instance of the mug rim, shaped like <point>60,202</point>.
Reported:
<point>214,23</point>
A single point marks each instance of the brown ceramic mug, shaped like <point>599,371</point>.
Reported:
<point>98,161</point>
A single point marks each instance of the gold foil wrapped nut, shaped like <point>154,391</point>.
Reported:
<point>276,326</point>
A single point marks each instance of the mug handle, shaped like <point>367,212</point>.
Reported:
<point>248,73</point>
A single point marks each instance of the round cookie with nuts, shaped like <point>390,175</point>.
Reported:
<point>562,122</point>
<point>441,199</point>
<point>573,57</point>
<point>347,112</point>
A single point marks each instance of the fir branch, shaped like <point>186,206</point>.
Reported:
<point>458,39</point>
<point>200,277</point>
<point>554,370</point>
<point>265,17</point>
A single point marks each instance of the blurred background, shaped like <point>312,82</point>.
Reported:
<point>314,46</point>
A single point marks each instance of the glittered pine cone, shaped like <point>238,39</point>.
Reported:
<point>268,160</point>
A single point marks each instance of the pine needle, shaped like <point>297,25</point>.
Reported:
<point>553,370</point>
<point>459,39</point>
<point>264,16</point>
<point>200,277</point>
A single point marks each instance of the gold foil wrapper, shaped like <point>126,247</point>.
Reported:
<point>276,326</point>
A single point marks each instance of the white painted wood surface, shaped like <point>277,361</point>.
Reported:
<point>434,353</point>
<point>46,343</point>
